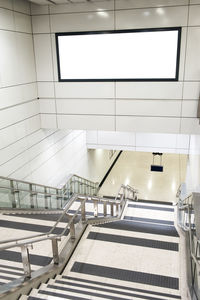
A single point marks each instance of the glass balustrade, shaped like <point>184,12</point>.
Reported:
<point>26,195</point>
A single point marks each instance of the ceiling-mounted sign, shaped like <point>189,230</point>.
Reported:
<point>157,167</point>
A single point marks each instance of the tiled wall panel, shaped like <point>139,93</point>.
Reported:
<point>147,142</point>
<point>120,101</point>
<point>152,18</point>
<point>86,122</point>
<point>86,106</point>
<point>164,108</point>
<point>19,107</point>
<point>121,4</point>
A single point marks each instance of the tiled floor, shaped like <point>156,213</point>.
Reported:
<point>133,168</point>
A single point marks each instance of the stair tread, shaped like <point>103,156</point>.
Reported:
<point>67,279</point>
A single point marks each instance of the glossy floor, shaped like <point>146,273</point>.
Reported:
<point>133,168</point>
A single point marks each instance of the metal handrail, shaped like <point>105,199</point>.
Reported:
<point>26,242</point>
<point>37,235</point>
<point>33,192</point>
<point>46,186</point>
<point>74,183</point>
<point>65,210</point>
<point>47,194</point>
<point>184,209</point>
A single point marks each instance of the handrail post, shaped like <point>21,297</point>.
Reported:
<point>54,242</point>
<point>31,195</point>
<point>95,209</point>
<point>105,209</point>
<point>14,204</point>
<point>112,209</point>
<point>117,209</point>
<point>26,261</point>
<point>83,218</point>
<point>72,231</point>
<point>58,197</point>
<point>45,198</point>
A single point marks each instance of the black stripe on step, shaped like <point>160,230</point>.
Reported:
<point>118,287</point>
<point>37,260</point>
<point>142,227</point>
<point>7,278</point>
<point>155,202</point>
<point>151,207</point>
<point>105,237</point>
<point>58,295</point>
<point>126,275</point>
<point>34,298</point>
<point>11,272</point>
<point>2,283</point>
<point>29,227</point>
<point>12,268</point>
<point>149,220</point>
<point>87,293</point>
<point>51,217</point>
<point>108,290</point>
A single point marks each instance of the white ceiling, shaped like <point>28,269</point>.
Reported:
<point>43,2</point>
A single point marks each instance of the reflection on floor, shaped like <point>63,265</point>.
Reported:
<point>133,168</point>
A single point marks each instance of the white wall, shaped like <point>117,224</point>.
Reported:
<point>155,107</point>
<point>19,107</point>
<point>193,166</point>
<point>26,151</point>
<point>144,142</point>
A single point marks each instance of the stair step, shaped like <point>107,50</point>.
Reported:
<point>111,289</point>
<point>101,220</point>
<point>155,202</point>
<point>34,298</point>
<point>156,229</point>
<point>77,288</point>
<point>23,297</point>
<point>33,293</point>
<point>69,279</point>
<point>54,294</point>
<point>83,294</point>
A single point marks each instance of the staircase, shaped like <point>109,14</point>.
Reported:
<point>43,225</point>
<point>137,257</point>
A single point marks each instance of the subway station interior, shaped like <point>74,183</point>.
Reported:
<point>100,149</point>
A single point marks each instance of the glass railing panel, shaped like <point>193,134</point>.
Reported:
<point>40,189</point>
<point>5,183</point>
<point>21,185</point>
<point>56,202</point>
<point>6,198</point>
<point>18,194</point>
<point>24,200</point>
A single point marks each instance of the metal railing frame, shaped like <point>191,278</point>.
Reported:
<point>60,193</point>
<point>184,214</point>
<point>26,243</point>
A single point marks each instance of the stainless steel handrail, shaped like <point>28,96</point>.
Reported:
<point>65,210</point>
<point>74,183</point>
<point>187,222</point>
<point>25,242</point>
<point>30,192</point>
<point>45,186</point>
<point>47,194</point>
<point>36,235</point>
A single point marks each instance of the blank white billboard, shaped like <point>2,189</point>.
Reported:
<point>119,55</point>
